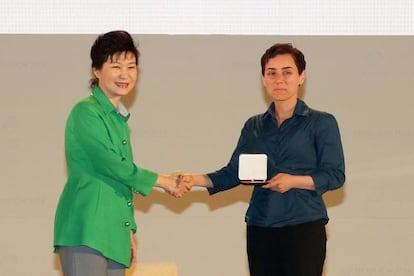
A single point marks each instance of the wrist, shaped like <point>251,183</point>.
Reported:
<point>167,182</point>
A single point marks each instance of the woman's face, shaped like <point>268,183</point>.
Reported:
<point>118,76</point>
<point>281,78</point>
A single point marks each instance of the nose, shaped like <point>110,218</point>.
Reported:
<point>123,73</point>
<point>278,78</point>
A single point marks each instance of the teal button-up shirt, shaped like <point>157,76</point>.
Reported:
<point>96,206</point>
<point>308,143</point>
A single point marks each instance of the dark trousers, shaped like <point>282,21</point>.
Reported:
<point>287,251</point>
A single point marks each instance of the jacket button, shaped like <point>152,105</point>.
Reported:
<point>129,203</point>
<point>127,223</point>
<point>124,142</point>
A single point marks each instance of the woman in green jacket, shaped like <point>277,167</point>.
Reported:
<point>94,223</point>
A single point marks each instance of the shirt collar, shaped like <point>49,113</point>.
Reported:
<point>301,109</point>
<point>106,104</point>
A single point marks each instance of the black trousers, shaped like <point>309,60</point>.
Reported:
<point>298,250</point>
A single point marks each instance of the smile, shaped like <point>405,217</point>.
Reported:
<point>121,84</point>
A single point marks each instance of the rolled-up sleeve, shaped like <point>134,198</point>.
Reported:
<point>330,173</point>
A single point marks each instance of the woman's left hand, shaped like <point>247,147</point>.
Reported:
<point>281,183</point>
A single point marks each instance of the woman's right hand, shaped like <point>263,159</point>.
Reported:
<point>171,184</point>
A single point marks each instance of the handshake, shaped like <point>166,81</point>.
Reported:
<point>178,183</point>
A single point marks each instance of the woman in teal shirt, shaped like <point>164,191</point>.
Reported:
<point>94,223</point>
<point>286,217</point>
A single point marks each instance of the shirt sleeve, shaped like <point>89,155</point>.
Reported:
<point>227,177</point>
<point>330,173</point>
<point>92,146</point>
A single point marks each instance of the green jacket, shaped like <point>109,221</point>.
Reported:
<point>96,206</point>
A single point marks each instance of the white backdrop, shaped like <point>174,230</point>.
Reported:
<point>246,17</point>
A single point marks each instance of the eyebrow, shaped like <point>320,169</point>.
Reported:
<point>117,61</point>
<point>283,68</point>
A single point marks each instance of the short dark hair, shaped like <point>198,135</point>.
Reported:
<point>109,44</point>
<point>281,49</point>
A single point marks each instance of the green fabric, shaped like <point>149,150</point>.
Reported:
<point>96,206</point>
